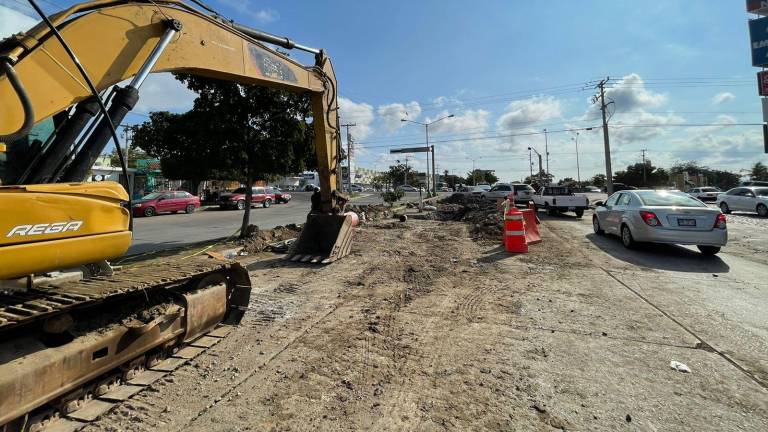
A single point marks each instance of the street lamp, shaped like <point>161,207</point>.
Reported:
<point>578,173</point>
<point>426,132</point>
<point>540,167</point>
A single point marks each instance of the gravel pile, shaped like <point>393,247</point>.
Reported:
<point>258,240</point>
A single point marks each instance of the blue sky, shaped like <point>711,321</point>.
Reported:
<point>509,69</point>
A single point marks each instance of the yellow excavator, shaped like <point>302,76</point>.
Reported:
<point>68,342</point>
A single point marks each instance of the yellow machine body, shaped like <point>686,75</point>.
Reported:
<point>55,226</point>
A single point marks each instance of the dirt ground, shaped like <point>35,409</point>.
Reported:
<point>423,328</point>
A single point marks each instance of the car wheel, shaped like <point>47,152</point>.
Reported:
<point>190,209</point>
<point>626,237</point>
<point>482,197</point>
<point>241,205</point>
<point>762,210</point>
<point>579,213</point>
<point>267,203</point>
<point>724,208</point>
<point>596,226</point>
<point>709,250</point>
<point>149,211</point>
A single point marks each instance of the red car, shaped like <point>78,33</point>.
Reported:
<point>280,196</point>
<point>166,202</point>
<point>236,198</point>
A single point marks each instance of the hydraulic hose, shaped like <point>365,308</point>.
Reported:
<point>29,112</point>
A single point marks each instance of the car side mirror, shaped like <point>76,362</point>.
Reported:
<point>599,204</point>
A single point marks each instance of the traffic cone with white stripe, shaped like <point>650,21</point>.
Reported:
<point>514,231</point>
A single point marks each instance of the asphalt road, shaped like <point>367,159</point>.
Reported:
<point>168,231</point>
<point>720,300</point>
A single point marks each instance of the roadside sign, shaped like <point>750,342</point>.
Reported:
<point>762,83</point>
<point>758,35</point>
<point>759,7</point>
<point>765,109</point>
<point>410,150</point>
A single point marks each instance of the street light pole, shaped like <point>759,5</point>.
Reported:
<point>426,132</point>
<point>540,167</point>
<point>578,172</point>
<point>546,149</point>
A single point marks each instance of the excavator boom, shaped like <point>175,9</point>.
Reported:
<point>53,360</point>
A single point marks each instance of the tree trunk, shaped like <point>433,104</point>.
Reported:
<point>248,197</point>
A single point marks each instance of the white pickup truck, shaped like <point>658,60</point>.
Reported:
<point>560,199</point>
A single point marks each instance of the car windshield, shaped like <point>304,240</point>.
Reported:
<point>241,190</point>
<point>668,199</point>
<point>761,192</point>
<point>153,196</point>
<point>709,189</point>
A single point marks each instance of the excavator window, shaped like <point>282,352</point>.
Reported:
<point>19,153</point>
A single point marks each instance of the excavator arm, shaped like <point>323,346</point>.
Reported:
<point>117,40</point>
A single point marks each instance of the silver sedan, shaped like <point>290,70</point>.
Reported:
<point>661,217</point>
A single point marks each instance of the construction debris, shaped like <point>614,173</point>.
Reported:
<point>371,212</point>
<point>259,240</point>
<point>485,220</point>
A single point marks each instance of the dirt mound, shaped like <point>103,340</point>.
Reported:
<point>371,212</point>
<point>258,240</point>
<point>484,218</point>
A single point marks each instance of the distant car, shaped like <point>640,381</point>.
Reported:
<point>484,186</point>
<point>407,188</point>
<point>166,202</point>
<point>618,187</point>
<point>476,191</point>
<point>706,193</point>
<point>236,198</point>
<point>560,199</point>
<point>309,188</point>
<point>661,217</point>
<point>356,188</point>
<point>281,197</point>
<point>753,183</point>
<point>747,199</point>
<point>591,189</point>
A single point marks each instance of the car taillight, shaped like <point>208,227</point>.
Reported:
<point>650,218</point>
<point>720,221</point>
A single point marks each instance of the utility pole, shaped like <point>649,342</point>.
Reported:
<point>645,182</point>
<point>606,139</point>
<point>530,162</point>
<point>349,155</point>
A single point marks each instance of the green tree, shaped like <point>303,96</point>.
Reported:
<point>642,175</point>
<point>598,180</point>
<point>481,176</point>
<point>568,181</point>
<point>723,179</point>
<point>401,174</point>
<point>539,180</point>
<point>234,131</point>
<point>759,172</point>
<point>134,154</point>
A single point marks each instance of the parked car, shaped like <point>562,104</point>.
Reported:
<point>407,188</point>
<point>520,193</point>
<point>356,188</point>
<point>661,217</point>
<point>236,198</point>
<point>706,193</point>
<point>591,189</point>
<point>747,199</point>
<point>484,186</point>
<point>560,199</point>
<point>280,195</point>
<point>166,202</point>
<point>617,187</point>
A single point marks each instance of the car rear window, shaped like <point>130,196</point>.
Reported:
<point>668,199</point>
<point>708,189</point>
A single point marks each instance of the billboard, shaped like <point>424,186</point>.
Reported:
<point>762,83</point>
<point>757,6</point>
<point>758,36</point>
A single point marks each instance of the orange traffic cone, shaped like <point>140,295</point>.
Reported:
<point>514,231</point>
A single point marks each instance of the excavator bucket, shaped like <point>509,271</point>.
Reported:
<point>324,239</point>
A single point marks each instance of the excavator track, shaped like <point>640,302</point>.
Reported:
<point>69,353</point>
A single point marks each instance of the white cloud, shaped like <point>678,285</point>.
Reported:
<point>642,127</point>
<point>528,111</point>
<point>470,121</point>
<point>162,92</point>
<point>246,7</point>
<point>629,94</point>
<point>392,114</point>
<point>361,114</point>
<point>722,98</point>
<point>12,21</point>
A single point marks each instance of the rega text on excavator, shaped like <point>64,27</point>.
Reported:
<point>66,343</point>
